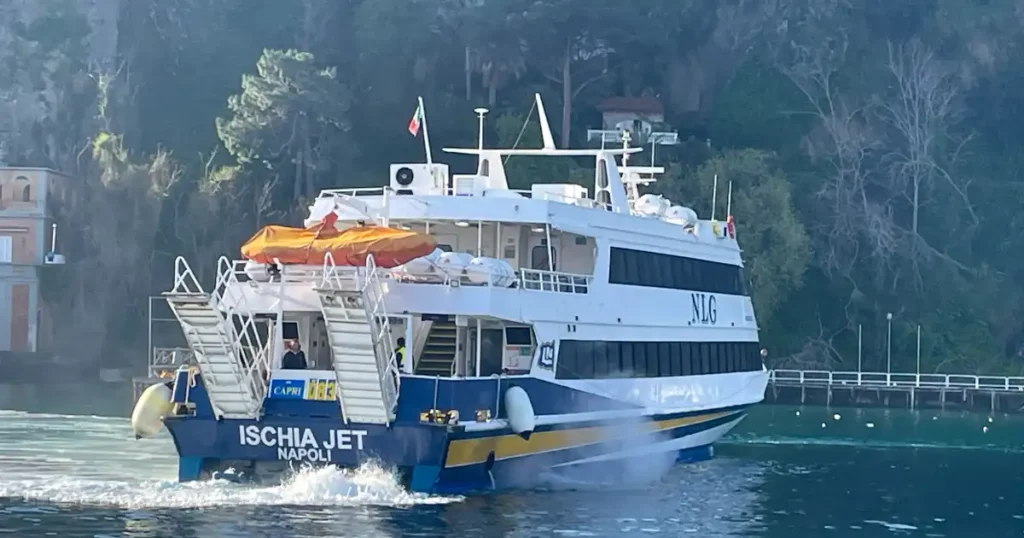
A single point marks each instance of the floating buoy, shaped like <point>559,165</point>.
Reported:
<point>148,416</point>
<point>836,416</point>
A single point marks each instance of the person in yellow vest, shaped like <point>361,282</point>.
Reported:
<point>400,353</point>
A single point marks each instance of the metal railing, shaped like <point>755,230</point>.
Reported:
<point>540,280</point>
<point>582,201</point>
<point>384,349</point>
<point>169,359</point>
<point>185,281</point>
<point>368,282</point>
<point>882,379</point>
<point>528,279</point>
<point>236,346</point>
<point>247,344</point>
<point>288,273</point>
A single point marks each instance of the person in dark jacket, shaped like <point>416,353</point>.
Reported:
<point>294,359</point>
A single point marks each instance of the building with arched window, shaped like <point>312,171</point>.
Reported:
<point>25,242</point>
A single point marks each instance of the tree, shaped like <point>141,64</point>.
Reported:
<point>569,41</point>
<point>290,113</point>
<point>923,114</point>
<point>496,48</point>
<point>775,244</point>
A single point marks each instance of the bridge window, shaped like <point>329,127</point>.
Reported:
<point>539,258</point>
<point>651,269</point>
<point>587,359</point>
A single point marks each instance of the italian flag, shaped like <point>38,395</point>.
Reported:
<point>414,123</point>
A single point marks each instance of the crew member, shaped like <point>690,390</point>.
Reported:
<point>400,353</point>
<point>294,359</point>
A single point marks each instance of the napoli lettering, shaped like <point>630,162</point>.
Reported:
<point>705,308</point>
<point>300,443</point>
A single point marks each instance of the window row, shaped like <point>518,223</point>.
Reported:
<point>583,359</point>
<point>651,269</point>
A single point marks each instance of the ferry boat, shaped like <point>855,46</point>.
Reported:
<point>465,334</point>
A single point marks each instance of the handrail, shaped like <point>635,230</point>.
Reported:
<point>246,341</point>
<point>384,352</point>
<point>581,201</point>
<point>367,281</point>
<point>541,280</point>
<point>528,279</point>
<point>883,379</point>
<point>329,280</point>
<point>165,359</point>
<point>185,280</point>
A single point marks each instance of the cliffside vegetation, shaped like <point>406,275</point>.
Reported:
<point>871,144</point>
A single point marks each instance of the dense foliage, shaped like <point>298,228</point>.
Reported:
<point>870,144</point>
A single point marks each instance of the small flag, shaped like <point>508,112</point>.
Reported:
<point>414,123</point>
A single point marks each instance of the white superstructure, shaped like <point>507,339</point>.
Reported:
<point>595,288</point>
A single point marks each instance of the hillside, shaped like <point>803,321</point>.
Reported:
<point>873,146</point>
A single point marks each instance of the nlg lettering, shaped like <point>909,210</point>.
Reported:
<point>705,309</point>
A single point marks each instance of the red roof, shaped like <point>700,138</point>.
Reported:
<point>639,105</point>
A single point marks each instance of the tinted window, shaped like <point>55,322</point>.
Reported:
<point>518,336</point>
<point>651,269</point>
<point>578,359</point>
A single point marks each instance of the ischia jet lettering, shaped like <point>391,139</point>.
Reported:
<point>300,444</point>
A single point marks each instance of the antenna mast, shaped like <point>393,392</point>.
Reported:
<point>480,112</point>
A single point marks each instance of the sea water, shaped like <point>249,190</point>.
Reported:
<point>786,472</point>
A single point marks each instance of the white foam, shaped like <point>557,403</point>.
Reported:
<point>369,484</point>
<point>95,461</point>
<point>892,526</point>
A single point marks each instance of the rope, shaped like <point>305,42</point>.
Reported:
<point>521,131</point>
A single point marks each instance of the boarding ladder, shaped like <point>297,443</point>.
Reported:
<point>230,355</point>
<point>352,301</point>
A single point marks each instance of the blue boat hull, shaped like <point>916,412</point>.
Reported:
<point>436,458</point>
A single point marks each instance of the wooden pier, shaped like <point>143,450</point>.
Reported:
<point>906,391</point>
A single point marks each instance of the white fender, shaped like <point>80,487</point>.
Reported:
<point>148,415</point>
<point>520,412</point>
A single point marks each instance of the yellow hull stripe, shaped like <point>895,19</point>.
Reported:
<point>473,451</point>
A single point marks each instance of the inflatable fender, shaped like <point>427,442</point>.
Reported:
<point>154,404</point>
<point>520,411</point>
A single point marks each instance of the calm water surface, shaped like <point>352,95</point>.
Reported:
<point>786,473</point>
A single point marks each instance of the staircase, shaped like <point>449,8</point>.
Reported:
<point>235,389</point>
<point>360,339</point>
<point>438,353</point>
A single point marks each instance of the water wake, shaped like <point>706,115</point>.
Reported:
<point>861,443</point>
<point>367,485</point>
